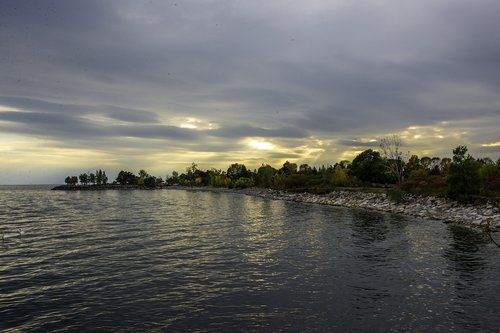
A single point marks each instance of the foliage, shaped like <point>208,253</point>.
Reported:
<point>340,177</point>
<point>490,179</point>
<point>265,175</point>
<point>236,171</point>
<point>396,194</point>
<point>101,177</point>
<point>296,180</point>
<point>126,178</point>
<point>84,178</point>
<point>369,167</point>
<point>463,176</point>
<point>289,168</point>
<point>71,180</point>
<point>422,183</point>
<point>244,182</point>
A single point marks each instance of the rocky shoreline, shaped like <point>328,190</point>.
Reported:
<point>448,211</point>
<point>475,215</point>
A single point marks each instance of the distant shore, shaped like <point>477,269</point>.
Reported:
<point>441,209</point>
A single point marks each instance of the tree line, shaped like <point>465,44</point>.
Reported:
<point>461,177</point>
<point>97,178</point>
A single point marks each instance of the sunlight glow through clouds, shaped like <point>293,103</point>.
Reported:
<point>261,145</point>
<point>494,144</point>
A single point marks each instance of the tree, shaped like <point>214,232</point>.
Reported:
<point>100,177</point>
<point>236,171</point>
<point>92,178</point>
<point>71,180</point>
<point>84,178</point>
<point>243,182</point>
<point>265,175</point>
<point>104,178</point>
<point>126,178</point>
<point>143,174</point>
<point>413,164</point>
<point>289,168</point>
<point>463,176</point>
<point>305,169</point>
<point>340,177</point>
<point>435,166</point>
<point>174,179</point>
<point>369,166</point>
<point>391,150</point>
<point>426,162</point>
<point>444,165</point>
<point>149,181</point>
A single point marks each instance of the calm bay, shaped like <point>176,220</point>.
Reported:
<point>176,260</point>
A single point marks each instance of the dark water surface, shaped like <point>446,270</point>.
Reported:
<point>173,260</point>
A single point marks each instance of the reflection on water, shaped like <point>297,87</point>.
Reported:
<point>188,261</point>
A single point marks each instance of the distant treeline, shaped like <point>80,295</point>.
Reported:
<point>461,178</point>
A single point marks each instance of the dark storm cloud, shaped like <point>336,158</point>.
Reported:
<point>69,127</point>
<point>129,115</point>
<point>356,143</point>
<point>31,104</point>
<point>49,125</point>
<point>329,69</point>
<point>154,131</point>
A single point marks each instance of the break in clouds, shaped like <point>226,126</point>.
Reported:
<point>159,84</point>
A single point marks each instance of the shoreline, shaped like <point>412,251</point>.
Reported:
<point>483,215</point>
<point>430,208</point>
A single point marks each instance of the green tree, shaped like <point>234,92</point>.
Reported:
<point>236,171</point>
<point>98,177</point>
<point>369,166</point>
<point>426,162</point>
<point>84,178</point>
<point>174,179</point>
<point>244,182</point>
<point>289,168</point>
<point>340,177</point>
<point>265,175</point>
<point>490,179</point>
<point>126,178</point>
<point>305,169</point>
<point>92,178</point>
<point>463,178</point>
<point>149,181</point>
<point>413,164</point>
<point>104,178</point>
<point>71,180</point>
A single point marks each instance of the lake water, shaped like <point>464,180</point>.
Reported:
<point>174,260</point>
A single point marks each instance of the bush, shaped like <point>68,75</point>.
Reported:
<point>244,182</point>
<point>397,195</point>
<point>296,181</point>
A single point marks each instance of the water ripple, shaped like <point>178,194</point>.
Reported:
<point>195,261</point>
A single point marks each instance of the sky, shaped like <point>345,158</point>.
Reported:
<point>157,85</point>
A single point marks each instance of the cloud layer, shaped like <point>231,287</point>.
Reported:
<point>157,84</point>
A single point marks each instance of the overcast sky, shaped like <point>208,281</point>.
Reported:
<point>157,85</point>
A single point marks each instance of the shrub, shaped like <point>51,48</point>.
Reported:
<point>244,182</point>
<point>397,195</point>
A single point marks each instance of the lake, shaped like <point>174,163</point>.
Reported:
<point>176,260</point>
